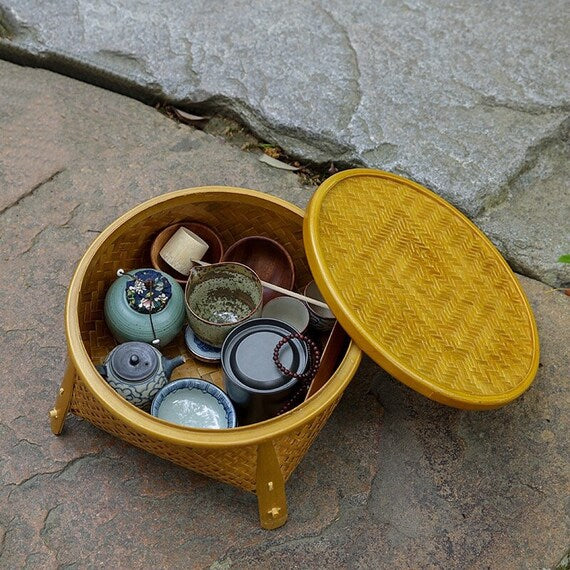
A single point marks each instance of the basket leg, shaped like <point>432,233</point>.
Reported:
<point>63,401</point>
<point>270,488</point>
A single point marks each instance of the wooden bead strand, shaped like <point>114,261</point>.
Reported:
<point>304,377</point>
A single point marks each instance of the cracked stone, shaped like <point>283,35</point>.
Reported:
<point>538,199</point>
<point>27,162</point>
<point>412,87</point>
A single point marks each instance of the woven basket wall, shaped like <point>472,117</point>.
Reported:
<point>127,246</point>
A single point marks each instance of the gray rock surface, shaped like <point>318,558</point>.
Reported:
<point>531,227</point>
<point>462,97</point>
<point>393,481</point>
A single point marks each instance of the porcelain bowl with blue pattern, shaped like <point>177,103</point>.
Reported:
<point>193,402</point>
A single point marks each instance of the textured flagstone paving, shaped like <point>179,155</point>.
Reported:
<point>393,481</point>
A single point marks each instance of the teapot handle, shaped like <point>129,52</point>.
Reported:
<point>102,369</point>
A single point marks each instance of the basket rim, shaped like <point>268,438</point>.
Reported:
<point>143,422</point>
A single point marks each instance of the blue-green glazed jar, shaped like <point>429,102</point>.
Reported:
<point>145,305</point>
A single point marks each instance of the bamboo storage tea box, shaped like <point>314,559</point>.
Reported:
<point>412,281</point>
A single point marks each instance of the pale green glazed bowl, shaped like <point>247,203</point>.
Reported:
<point>127,324</point>
<point>219,297</point>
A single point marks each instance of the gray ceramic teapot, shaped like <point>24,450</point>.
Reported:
<point>137,371</point>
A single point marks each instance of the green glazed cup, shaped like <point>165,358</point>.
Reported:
<point>220,297</point>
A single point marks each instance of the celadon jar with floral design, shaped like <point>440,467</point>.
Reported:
<point>145,305</point>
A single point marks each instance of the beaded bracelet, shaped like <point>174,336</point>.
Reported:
<point>304,378</point>
<point>314,352</point>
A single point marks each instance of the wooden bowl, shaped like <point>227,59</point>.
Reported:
<point>213,255</point>
<point>268,258</point>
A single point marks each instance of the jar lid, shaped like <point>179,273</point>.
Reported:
<point>134,361</point>
<point>247,354</point>
<point>421,289</point>
<point>148,291</point>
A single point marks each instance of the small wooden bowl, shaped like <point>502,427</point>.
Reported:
<point>268,258</point>
<point>213,255</point>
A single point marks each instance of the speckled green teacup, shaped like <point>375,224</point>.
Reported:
<point>219,297</point>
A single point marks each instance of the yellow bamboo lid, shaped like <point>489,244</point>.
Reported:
<point>421,289</point>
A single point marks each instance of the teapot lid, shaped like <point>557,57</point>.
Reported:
<point>134,361</point>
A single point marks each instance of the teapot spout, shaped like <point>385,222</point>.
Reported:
<point>169,365</point>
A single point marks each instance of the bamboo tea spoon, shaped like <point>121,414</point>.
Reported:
<point>280,290</point>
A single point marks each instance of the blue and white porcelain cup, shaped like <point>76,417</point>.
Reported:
<point>194,403</point>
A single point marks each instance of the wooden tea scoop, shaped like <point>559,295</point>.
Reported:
<point>328,359</point>
<point>280,290</point>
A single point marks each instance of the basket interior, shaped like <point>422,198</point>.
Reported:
<point>128,247</point>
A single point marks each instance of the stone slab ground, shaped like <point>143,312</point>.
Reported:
<point>393,481</point>
<point>468,98</point>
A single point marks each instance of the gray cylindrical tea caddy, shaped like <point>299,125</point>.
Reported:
<point>254,383</point>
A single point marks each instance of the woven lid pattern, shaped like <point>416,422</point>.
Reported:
<point>421,290</point>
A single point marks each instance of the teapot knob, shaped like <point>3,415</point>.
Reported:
<point>134,360</point>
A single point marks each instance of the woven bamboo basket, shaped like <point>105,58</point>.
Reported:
<point>258,458</point>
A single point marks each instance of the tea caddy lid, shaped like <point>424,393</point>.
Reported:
<point>247,354</point>
<point>420,289</point>
<point>134,361</point>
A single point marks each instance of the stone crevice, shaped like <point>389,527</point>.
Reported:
<point>119,54</point>
<point>9,331</point>
<point>51,512</point>
<point>241,111</point>
<point>82,69</point>
<point>47,517</point>
<point>54,474</point>
<point>35,240</point>
<point>25,440</point>
<point>240,553</point>
<point>13,420</point>
<point>532,487</point>
<point>3,538</point>
<point>23,482</point>
<point>478,98</point>
<point>558,134</point>
<point>358,95</point>
<point>33,190</point>
<point>529,108</point>
<point>37,237</point>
